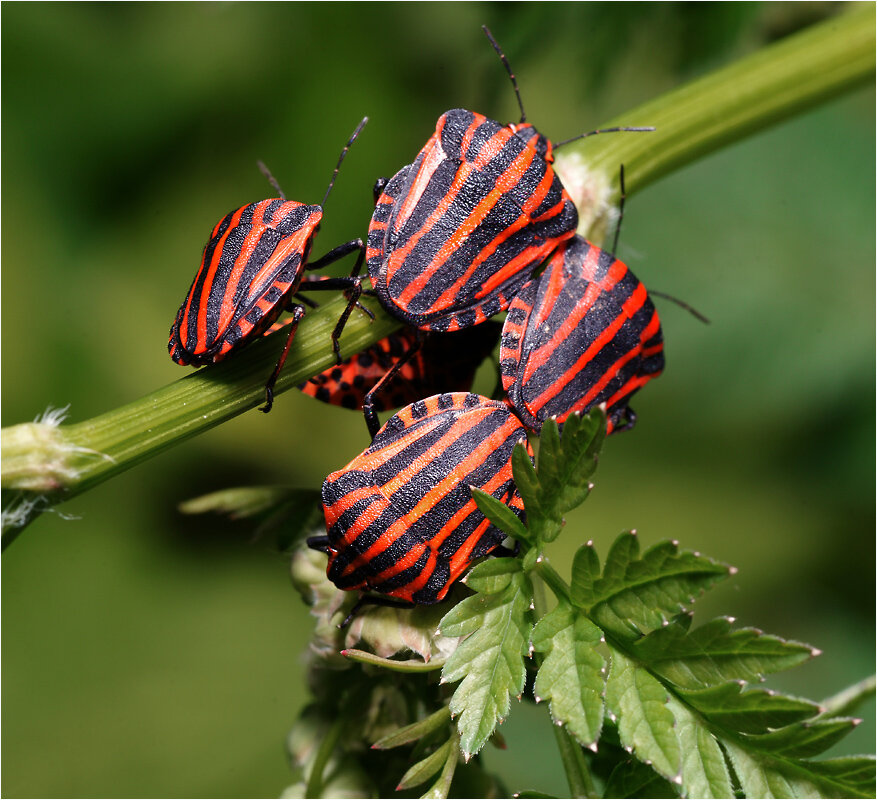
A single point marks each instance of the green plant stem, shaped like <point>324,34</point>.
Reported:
<point>725,106</point>
<point>314,786</point>
<point>552,578</point>
<point>57,463</point>
<point>575,767</point>
<point>577,774</point>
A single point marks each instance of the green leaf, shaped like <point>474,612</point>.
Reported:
<point>414,731</point>
<point>634,779</point>
<point>585,573</point>
<point>803,739</point>
<point>525,476</point>
<point>572,675</point>
<point>713,654</point>
<point>423,770</point>
<point>565,464</point>
<point>442,787</point>
<point>638,595</point>
<point>645,724</point>
<point>851,774</point>
<point>848,700</point>
<point>493,575</point>
<point>468,615</point>
<point>750,711</point>
<point>764,776</point>
<point>547,466</point>
<point>296,509</point>
<point>500,515</point>
<point>490,661</point>
<point>704,772</point>
<point>408,665</point>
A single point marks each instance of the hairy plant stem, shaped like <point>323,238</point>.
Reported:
<point>45,465</point>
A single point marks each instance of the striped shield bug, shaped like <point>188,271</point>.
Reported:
<point>455,234</point>
<point>252,267</point>
<point>400,517</point>
<point>445,363</point>
<point>584,332</point>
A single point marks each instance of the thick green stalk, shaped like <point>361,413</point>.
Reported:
<point>47,464</point>
<point>723,107</point>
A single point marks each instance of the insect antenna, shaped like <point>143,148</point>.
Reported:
<point>693,311</point>
<point>508,68</point>
<point>271,179</point>
<point>638,129</point>
<point>341,157</point>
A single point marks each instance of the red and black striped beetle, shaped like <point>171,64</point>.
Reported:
<point>446,362</point>
<point>400,517</point>
<point>252,267</point>
<point>456,233</point>
<point>584,332</point>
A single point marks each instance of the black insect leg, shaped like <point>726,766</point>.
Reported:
<point>319,543</point>
<point>626,420</point>
<point>368,406</point>
<point>297,313</point>
<point>352,286</point>
<point>378,188</point>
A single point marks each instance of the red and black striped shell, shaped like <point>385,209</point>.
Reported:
<point>251,265</point>
<point>445,363</point>
<point>584,332</point>
<point>457,233</point>
<point>400,517</point>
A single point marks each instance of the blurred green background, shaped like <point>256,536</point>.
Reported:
<point>146,654</point>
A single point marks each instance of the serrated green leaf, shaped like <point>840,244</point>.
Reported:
<point>442,787</point>
<point>713,654</point>
<point>848,700</point>
<point>704,772</point>
<point>490,662</point>
<point>525,477</point>
<point>565,465</point>
<point>493,575</point>
<point>585,573</point>
<point>645,723</point>
<point>548,466</point>
<point>803,739</point>
<point>500,515</point>
<point>423,770</point>
<point>572,676</point>
<point>765,776</point>
<point>851,774</point>
<point>414,731</point>
<point>468,615</point>
<point>638,595</point>
<point>634,779</point>
<point>760,778</point>
<point>749,711</point>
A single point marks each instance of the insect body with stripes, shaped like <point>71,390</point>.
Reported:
<point>400,517</point>
<point>252,267</point>
<point>584,332</point>
<point>456,233</point>
<point>446,362</point>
